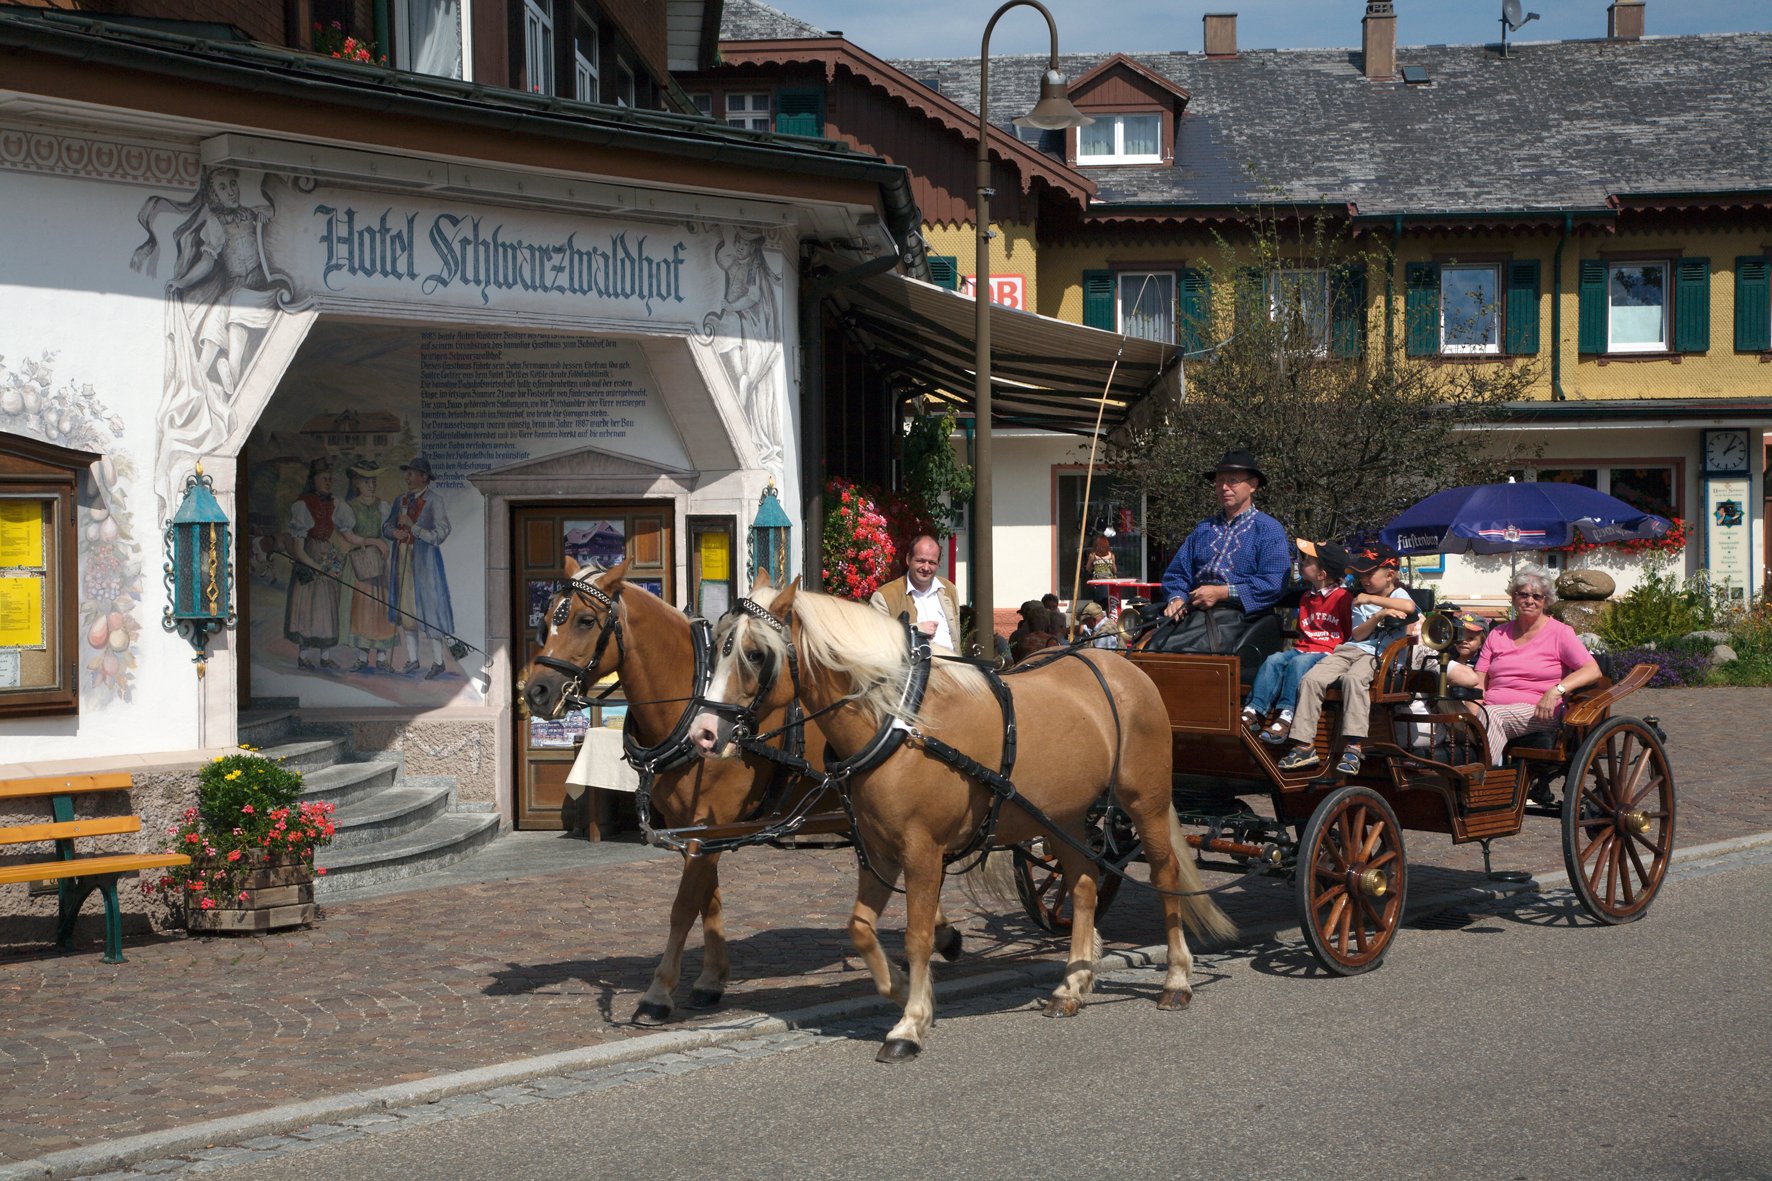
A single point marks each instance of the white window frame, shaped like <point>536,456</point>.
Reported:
<point>1133,282</point>
<point>1119,155</point>
<point>538,45</point>
<point>1495,310</point>
<point>1298,275</point>
<point>704,103</point>
<point>586,69</point>
<point>742,110</point>
<point>1665,344</point>
<point>1603,469</point>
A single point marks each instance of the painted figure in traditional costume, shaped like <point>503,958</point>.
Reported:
<point>318,523</point>
<point>750,344</point>
<point>418,525</point>
<point>369,628</point>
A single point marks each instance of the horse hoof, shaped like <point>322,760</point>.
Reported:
<point>651,1013</point>
<point>898,1049</point>
<point>1174,998</point>
<point>1063,1007</point>
<point>947,942</point>
<point>704,998</point>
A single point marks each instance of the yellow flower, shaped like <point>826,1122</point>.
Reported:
<point>231,775</point>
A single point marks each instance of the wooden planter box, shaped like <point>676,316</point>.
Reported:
<point>279,894</point>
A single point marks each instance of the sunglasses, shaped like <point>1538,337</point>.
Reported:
<point>1533,595</point>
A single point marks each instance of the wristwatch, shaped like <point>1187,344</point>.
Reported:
<point>1559,690</point>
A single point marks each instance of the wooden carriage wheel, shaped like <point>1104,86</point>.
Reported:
<point>1351,879</point>
<point>1039,883</point>
<point>1618,819</point>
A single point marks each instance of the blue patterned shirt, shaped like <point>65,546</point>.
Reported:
<point>1247,553</point>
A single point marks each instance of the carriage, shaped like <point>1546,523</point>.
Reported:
<point>1340,839</point>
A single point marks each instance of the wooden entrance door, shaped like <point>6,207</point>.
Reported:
<point>542,536</point>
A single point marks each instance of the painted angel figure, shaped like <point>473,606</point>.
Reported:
<point>749,340</point>
<point>222,298</point>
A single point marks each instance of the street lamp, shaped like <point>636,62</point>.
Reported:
<point>1053,112</point>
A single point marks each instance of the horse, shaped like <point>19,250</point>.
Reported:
<point>1084,721</point>
<point>601,624</point>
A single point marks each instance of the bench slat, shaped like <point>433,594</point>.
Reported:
<point>62,830</point>
<point>61,785</point>
<point>88,866</point>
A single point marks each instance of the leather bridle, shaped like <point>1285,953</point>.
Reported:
<point>608,628</point>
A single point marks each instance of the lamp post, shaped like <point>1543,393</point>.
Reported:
<point>1053,112</point>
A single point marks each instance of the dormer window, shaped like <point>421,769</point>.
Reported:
<point>1121,139</point>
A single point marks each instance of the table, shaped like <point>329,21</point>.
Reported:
<point>600,767</point>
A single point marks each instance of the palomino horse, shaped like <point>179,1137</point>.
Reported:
<point>1085,722</point>
<point>601,624</point>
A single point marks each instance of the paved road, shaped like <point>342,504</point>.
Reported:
<point>1521,1043</point>
<point>411,986</point>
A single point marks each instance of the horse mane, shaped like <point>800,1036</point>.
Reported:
<point>868,646</point>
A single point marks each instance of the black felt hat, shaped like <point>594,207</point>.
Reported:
<point>1236,459</point>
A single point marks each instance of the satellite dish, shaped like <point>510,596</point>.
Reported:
<point>1511,19</point>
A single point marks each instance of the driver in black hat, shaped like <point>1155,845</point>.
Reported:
<point>1239,556</point>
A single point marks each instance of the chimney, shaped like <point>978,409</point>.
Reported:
<point>1624,20</point>
<point>1378,41</point>
<point>1221,34</point>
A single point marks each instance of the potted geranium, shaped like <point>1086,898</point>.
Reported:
<point>251,844</point>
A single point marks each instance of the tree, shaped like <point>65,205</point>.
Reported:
<point>1296,366</point>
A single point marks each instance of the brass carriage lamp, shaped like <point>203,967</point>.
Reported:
<point>199,577</point>
<point>771,534</point>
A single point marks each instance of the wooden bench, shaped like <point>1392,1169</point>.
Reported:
<point>76,874</point>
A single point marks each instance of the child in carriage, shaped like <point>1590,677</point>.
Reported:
<point>1381,613</point>
<point>1324,621</point>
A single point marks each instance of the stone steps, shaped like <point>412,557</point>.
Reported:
<point>441,842</point>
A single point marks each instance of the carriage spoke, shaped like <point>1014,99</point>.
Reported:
<point>1654,846</point>
<point>1653,786</point>
<point>1633,769</point>
<point>1382,860</point>
<point>1612,859</point>
<point>1344,928</point>
<point>1642,873</point>
<point>1374,837</point>
<point>1597,851</point>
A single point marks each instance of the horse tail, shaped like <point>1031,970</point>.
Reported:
<point>989,883</point>
<point>1198,911</point>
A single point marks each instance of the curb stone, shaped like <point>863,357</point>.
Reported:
<point>233,1131</point>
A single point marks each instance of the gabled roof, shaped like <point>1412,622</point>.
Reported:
<point>1554,126</point>
<point>751,20</point>
<point>834,52</point>
<point>1122,62</point>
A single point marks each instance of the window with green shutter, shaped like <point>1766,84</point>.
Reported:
<point>1522,307</point>
<point>944,271</point>
<point>1590,332</point>
<point>1194,308</point>
<point>800,111</point>
<point>1753,304</point>
<point>1692,305</point>
<point>1421,309</point>
<point>1347,310</point>
<point>1098,300</point>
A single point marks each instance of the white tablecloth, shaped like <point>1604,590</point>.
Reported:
<point>600,765</point>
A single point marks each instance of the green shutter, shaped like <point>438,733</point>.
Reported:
<point>800,111</point>
<point>1347,310</point>
<point>944,271</point>
<point>1522,307</point>
<point>1590,331</point>
<point>1421,309</point>
<point>1692,305</point>
<point>1098,300</point>
<point>1195,308</point>
<point>1753,304</point>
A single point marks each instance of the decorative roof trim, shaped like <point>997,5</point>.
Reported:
<point>832,52</point>
<point>1136,67</point>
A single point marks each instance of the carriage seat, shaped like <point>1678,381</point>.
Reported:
<point>1261,641</point>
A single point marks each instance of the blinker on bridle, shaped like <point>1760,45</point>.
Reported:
<point>744,717</point>
<point>609,627</point>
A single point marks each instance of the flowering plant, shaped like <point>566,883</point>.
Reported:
<point>333,41</point>
<point>858,546</point>
<point>1671,542</point>
<point>246,815</point>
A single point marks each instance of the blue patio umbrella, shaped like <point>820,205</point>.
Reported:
<point>1507,518</point>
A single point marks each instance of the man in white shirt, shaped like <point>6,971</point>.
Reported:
<point>929,600</point>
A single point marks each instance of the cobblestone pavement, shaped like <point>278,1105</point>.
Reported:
<point>401,988</point>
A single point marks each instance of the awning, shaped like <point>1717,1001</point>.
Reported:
<point>1044,372</point>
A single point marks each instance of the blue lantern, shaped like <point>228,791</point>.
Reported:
<point>199,578</point>
<point>771,539</point>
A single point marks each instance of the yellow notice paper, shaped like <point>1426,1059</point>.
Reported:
<point>21,533</point>
<point>716,557</point>
<point>21,612</point>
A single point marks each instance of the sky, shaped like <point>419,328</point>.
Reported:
<point>952,28</point>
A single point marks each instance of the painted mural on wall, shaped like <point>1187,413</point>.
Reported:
<point>33,405</point>
<point>220,301</point>
<point>746,334</point>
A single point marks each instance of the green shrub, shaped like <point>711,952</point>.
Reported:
<point>1657,609</point>
<point>232,784</point>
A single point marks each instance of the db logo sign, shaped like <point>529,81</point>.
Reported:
<point>1009,291</point>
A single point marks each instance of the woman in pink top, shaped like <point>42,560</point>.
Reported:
<point>1529,665</point>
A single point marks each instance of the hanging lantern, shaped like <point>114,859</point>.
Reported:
<point>771,537</point>
<point>199,578</point>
